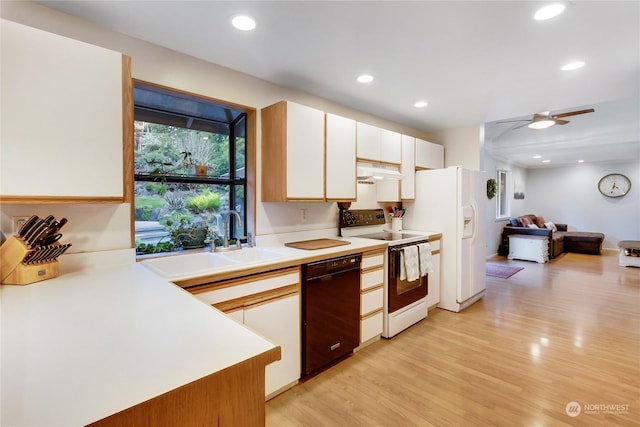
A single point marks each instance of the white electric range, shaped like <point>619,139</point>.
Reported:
<point>405,300</point>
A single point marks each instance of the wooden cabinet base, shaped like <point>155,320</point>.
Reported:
<point>231,397</point>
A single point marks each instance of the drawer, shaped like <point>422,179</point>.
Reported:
<point>371,301</point>
<point>231,290</point>
<point>435,245</point>
<point>372,279</point>
<point>372,261</point>
<point>371,327</point>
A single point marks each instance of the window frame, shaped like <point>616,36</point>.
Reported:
<point>249,179</point>
<point>503,201</point>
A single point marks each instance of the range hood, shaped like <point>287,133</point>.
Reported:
<point>378,172</point>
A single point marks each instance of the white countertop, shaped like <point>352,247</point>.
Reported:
<point>85,345</point>
<point>101,338</point>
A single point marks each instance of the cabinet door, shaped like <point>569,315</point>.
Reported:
<point>429,155</point>
<point>390,146</point>
<point>61,116</point>
<point>388,191</point>
<point>279,322</point>
<point>305,152</point>
<point>368,142</point>
<point>340,168</point>
<point>408,168</point>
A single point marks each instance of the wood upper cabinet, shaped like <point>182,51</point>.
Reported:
<point>408,168</point>
<point>292,153</point>
<point>62,118</point>
<point>340,167</point>
<point>429,155</point>
<point>378,145</point>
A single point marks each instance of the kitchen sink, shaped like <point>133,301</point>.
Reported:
<point>174,267</point>
<point>192,265</point>
<point>251,255</point>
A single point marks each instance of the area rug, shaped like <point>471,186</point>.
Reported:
<point>502,271</point>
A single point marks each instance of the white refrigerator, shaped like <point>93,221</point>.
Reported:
<point>451,201</point>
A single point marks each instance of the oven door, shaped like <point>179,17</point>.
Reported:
<point>402,293</point>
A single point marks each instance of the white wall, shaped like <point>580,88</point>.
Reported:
<point>162,66</point>
<point>570,195</point>
<point>461,145</point>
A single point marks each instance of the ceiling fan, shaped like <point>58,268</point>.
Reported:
<point>545,120</point>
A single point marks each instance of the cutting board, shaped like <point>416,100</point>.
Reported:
<point>317,244</point>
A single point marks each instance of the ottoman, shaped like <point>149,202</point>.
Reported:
<point>583,242</point>
<point>629,253</point>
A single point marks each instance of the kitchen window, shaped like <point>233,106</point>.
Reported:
<point>189,169</point>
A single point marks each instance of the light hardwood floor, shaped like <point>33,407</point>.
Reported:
<point>555,333</point>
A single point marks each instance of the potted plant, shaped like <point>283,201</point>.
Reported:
<point>192,235</point>
<point>198,150</point>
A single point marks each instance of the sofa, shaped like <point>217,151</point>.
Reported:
<point>559,238</point>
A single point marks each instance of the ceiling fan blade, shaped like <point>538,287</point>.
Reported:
<point>573,113</point>
<point>514,121</point>
<point>561,122</point>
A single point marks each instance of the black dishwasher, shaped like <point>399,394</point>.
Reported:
<point>330,311</point>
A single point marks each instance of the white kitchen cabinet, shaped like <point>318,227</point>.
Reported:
<point>340,166</point>
<point>62,118</point>
<point>372,276</point>
<point>429,155</point>
<point>293,153</point>
<point>368,142</point>
<point>388,191</point>
<point>278,321</point>
<point>433,298</point>
<point>408,168</point>
<point>269,304</point>
<point>390,147</point>
<point>378,145</point>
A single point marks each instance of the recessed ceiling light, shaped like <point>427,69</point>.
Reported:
<point>365,78</point>
<point>572,66</point>
<point>537,157</point>
<point>243,22</point>
<point>421,104</point>
<point>549,12</point>
<point>580,161</point>
<point>546,161</point>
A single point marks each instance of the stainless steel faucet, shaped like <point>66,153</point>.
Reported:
<point>225,246</point>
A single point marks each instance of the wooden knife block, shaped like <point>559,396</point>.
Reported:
<point>14,272</point>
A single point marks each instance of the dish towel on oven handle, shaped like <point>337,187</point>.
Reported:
<point>411,263</point>
<point>424,249</point>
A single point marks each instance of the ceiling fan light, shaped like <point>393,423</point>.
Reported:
<point>549,12</point>
<point>541,124</point>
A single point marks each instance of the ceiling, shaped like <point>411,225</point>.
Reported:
<point>473,62</point>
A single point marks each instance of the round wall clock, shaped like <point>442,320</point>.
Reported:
<point>614,185</point>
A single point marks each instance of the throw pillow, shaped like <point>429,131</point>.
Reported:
<point>551,226</point>
<point>540,222</point>
<point>525,221</point>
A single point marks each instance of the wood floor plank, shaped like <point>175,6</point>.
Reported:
<point>554,333</point>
